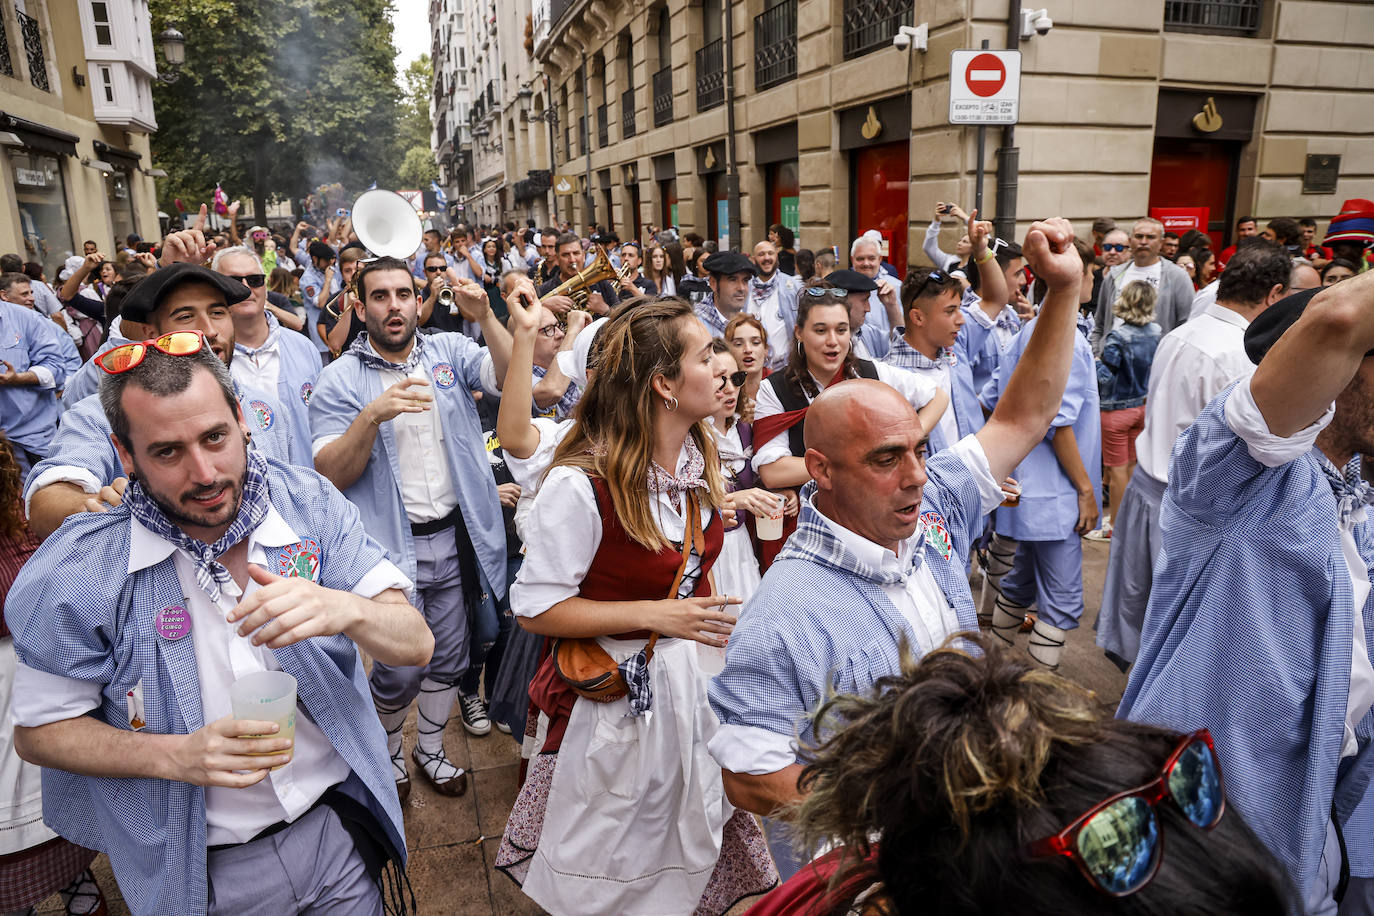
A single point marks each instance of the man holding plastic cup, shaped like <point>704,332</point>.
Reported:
<point>132,627</point>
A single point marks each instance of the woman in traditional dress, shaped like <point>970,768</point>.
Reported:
<point>624,811</point>
<point>749,343</point>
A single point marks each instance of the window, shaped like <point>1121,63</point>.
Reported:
<point>100,15</point>
<point>107,84</point>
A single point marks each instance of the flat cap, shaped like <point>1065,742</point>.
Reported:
<point>728,263</point>
<point>851,280</point>
<point>148,293</point>
<point>1275,321</point>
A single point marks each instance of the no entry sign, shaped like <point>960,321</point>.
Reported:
<point>984,87</point>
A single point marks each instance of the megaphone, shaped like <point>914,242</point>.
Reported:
<point>387,224</point>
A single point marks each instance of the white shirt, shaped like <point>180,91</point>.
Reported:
<point>1244,417</point>
<point>426,485</point>
<point>918,390</point>
<point>768,311</point>
<point>1203,298</point>
<point>222,657</point>
<point>258,368</point>
<point>529,472</point>
<point>940,377</point>
<point>1134,274</point>
<point>1192,364</point>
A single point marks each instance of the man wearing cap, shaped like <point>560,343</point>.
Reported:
<point>33,367</point>
<point>1260,617</point>
<point>868,339</point>
<point>1351,233</point>
<point>266,356</point>
<point>395,427</point>
<point>314,292</point>
<point>866,257</point>
<point>131,628</point>
<point>1192,365</point>
<point>728,274</point>
<point>84,473</point>
<point>773,301</point>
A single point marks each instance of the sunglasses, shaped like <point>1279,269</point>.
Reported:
<point>1113,247</point>
<point>822,292</point>
<point>736,379</point>
<point>549,330</point>
<point>1116,844</point>
<point>252,281</point>
<point>433,270</point>
<point>131,355</point>
<point>934,275</point>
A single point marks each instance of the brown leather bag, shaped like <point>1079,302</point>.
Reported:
<point>589,669</point>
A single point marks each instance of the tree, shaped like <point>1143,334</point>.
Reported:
<point>418,168</point>
<point>277,97</point>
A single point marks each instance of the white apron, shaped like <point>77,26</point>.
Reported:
<point>21,784</point>
<point>636,807</point>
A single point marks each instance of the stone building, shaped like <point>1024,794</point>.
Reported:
<point>1241,106</point>
<point>76,108</point>
<point>452,137</point>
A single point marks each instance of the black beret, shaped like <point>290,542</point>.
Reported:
<point>1271,324</point>
<point>728,263</point>
<point>147,294</point>
<point>851,280</point>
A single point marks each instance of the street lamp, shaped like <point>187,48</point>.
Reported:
<point>174,49</point>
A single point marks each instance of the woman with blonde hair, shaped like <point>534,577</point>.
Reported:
<point>624,810</point>
<point>1123,378</point>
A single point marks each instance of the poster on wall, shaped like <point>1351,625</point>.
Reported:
<point>672,214</point>
<point>723,225</point>
<point>1179,220</point>
<point>791,217</point>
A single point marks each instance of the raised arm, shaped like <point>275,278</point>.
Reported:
<point>992,282</point>
<point>1324,348</point>
<point>1035,390</point>
<point>518,436</point>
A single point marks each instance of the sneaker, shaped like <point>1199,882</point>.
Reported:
<point>503,728</point>
<point>1100,534</point>
<point>474,714</point>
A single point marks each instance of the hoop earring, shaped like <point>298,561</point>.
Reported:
<point>801,351</point>
<point>670,404</point>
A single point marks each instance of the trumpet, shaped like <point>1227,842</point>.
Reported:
<point>446,300</point>
<point>579,287</point>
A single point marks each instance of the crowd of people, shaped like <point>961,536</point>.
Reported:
<point>701,534</point>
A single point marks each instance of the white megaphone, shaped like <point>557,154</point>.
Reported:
<point>387,224</point>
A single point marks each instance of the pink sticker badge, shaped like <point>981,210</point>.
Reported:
<point>173,622</point>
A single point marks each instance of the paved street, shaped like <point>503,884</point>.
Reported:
<point>453,841</point>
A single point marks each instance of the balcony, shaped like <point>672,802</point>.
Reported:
<point>6,65</point>
<point>1213,17</point>
<point>711,75</point>
<point>627,114</point>
<point>870,24</point>
<point>603,128</point>
<point>537,184</point>
<point>33,50</point>
<point>775,45</point>
<point>663,96</point>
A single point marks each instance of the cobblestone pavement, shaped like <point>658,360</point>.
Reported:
<point>453,841</point>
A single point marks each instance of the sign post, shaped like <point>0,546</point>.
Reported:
<point>984,88</point>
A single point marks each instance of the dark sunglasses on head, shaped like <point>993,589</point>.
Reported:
<point>934,276</point>
<point>1116,843</point>
<point>1114,247</point>
<point>253,281</point>
<point>822,292</point>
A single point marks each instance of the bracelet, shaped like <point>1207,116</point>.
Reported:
<point>985,257</point>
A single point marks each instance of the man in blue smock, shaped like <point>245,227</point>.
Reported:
<point>1060,481</point>
<point>132,625</point>
<point>83,473</point>
<point>32,369</point>
<point>395,427</point>
<point>880,553</point>
<point>319,282</point>
<point>1260,617</point>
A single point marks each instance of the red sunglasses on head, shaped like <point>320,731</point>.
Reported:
<point>130,355</point>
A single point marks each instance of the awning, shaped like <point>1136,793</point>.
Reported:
<point>39,137</point>
<point>106,151</point>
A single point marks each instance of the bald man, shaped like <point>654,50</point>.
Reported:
<point>773,301</point>
<point>878,557</point>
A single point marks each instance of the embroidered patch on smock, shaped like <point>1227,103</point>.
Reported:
<point>300,560</point>
<point>444,376</point>
<point>306,390</point>
<point>262,413</point>
<point>937,534</point>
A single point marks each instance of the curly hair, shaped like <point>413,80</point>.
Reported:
<point>952,766</point>
<point>11,490</point>
<point>1136,303</point>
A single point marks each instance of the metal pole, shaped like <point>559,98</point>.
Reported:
<point>982,147</point>
<point>1008,156</point>
<point>586,138</point>
<point>551,123</point>
<point>731,170</point>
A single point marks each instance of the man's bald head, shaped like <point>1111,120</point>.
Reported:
<point>844,411</point>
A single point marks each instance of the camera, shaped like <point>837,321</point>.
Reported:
<point>1035,21</point>
<point>1042,24</point>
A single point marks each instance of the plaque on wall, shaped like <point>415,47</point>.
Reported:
<point>1321,173</point>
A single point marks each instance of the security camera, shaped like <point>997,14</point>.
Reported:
<point>1042,24</point>
<point>908,37</point>
<point>1036,21</point>
<point>901,40</point>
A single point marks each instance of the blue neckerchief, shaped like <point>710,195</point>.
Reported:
<point>210,573</point>
<point>906,356</point>
<point>363,350</point>
<point>1349,486</point>
<point>814,541</point>
<point>1008,322</point>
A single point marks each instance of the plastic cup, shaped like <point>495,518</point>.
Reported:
<point>769,527</point>
<point>266,696</point>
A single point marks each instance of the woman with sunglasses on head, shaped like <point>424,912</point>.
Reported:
<point>971,780</point>
<point>624,810</point>
<point>821,356</point>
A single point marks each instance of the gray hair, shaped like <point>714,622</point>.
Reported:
<point>863,240</point>
<point>163,376</point>
<point>1150,220</point>
<point>237,249</point>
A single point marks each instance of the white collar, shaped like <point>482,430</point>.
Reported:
<point>874,556</point>
<point>1230,316</point>
<point>148,549</point>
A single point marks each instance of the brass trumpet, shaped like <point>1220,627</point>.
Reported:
<point>446,300</point>
<point>579,287</point>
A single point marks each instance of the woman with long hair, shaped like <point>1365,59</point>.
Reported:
<point>658,271</point>
<point>748,341</point>
<point>785,241</point>
<point>283,281</point>
<point>821,356</point>
<point>973,783</point>
<point>624,810</point>
<point>1205,266</point>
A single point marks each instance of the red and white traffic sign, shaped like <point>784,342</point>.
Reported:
<point>984,87</point>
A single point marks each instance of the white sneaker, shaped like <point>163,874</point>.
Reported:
<point>1100,534</point>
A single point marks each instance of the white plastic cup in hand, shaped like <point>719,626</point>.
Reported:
<point>769,527</point>
<point>266,696</point>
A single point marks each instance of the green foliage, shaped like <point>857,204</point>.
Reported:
<point>418,168</point>
<point>277,98</point>
<point>417,83</point>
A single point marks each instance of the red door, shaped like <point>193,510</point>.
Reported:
<point>1196,173</point>
<point>879,178</point>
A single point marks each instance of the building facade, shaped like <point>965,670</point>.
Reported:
<point>76,110</point>
<point>822,124</point>
<point>451,140</point>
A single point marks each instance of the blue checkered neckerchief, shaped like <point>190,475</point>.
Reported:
<point>905,356</point>
<point>210,573</point>
<point>1008,320</point>
<point>1349,486</point>
<point>815,542</point>
<point>563,409</point>
<point>368,356</point>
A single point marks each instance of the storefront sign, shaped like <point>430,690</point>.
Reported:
<point>563,184</point>
<point>32,178</point>
<point>723,224</point>
<point>1179,220</point>
<point>791,215</point>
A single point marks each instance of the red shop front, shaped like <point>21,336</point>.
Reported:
<point>876,137</point>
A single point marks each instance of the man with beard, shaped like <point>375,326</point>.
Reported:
<point>728,274</point>
<point>1170,282</point>
<point>395,427</point>
<point>83,473</point>
<point>1260,616</point>
<point>198,810</point>
<point>773,301</point>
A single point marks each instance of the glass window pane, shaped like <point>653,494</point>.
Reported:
<point>43,223</point>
